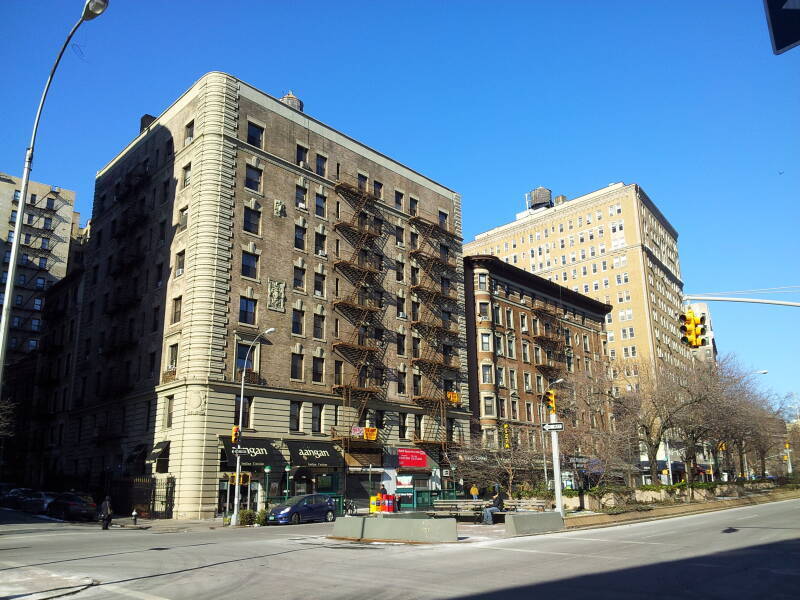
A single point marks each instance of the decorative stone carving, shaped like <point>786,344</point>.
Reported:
<point>277,295</point>
<point>279,208</point>
<point>196,401</point>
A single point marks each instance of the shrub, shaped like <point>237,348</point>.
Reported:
<point>570,493</point>
<point>704,485</point>
<point>602,490</point>
<point>649,487</point>
<point>247,517</point>
<point>261,517</point>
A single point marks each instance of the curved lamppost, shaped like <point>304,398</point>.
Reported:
<point>238,489</point>
<point>91,9</point>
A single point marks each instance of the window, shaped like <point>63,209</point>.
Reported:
<point>188,133</point>
<point>401,308</point>
<point>482,281</point>
<point>401,383</point>
<point>377,189</point>
<point>187,175</point>
<point>252,219</point>
<point>488,406</point>
<point>317,369</point>
<point>418,426</point>
<point>319,244</point>
<point>299,237</point>
<point>412,206</point>
<point>337,372</point>
<point>247,310</point>
<point>321,166</point>
<point>398,200</point>
<point>414,310</point>
<point>399,271</point>
<point>362,182</point>
<point>301,155</point>
<point>512,378</point>
<point>252,178</point>
<point>443,219</point>
<point>319,327</point>
<point>500,374</point>
<point>399,235</point>
<point>416,384</point>
<point>172,357</point>
<point>319,205</point>
<point>401,344</point>
<point>486,344</point>
<point>183,218</point>
<point>176,309</point>
<point>300,197</point>
<point>255,134</point>
<point>415,347</point>
<point>486,373</point>
<point>297,321</point>
<point>294,415</point>
<point>245,408</point>
<point>38,303</point>
<point>180,259</point>
<point>299,279</point>
<point>483,310</point>
<point>249,264</point>
<point>319,285</point>
<point>297,366</point>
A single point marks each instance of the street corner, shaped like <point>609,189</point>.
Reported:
<point>36,584</point>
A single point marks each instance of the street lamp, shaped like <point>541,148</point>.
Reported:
<point>556,454</point>
<point>267,471</point>
<point>237,492</point>
<point>287,469</point>
<point>91,9</point>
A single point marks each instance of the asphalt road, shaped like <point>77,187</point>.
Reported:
<point>750,552</point>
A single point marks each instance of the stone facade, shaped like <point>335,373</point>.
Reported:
<point>229,214</point>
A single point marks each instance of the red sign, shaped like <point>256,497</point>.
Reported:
<point>409,457</point>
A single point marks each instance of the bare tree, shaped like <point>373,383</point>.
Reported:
<point>651,402</point>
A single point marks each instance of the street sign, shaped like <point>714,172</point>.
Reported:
<point>239,451</point>
<point>553,426</point>
<point>783,19</point>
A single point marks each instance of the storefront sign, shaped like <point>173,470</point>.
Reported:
<point>313,454</point>
<point>253,451</point>
<point>410,457</point>
<point>371,433</point>
<point>452,397</point>
<point>357,432</point>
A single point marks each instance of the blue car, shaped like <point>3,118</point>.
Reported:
<point>301,509</point>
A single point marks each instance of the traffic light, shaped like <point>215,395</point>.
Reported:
<point>693,329</point>
<point>236,434</point>
<point>787,445</point>
<point>550,401</point>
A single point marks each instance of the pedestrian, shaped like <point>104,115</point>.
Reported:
<point>474,491</point>
<point>496,506</point>
<point>105,512</point>
<point>383,491</point>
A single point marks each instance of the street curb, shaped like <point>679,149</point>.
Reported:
<point>603,520</point>
<point>61,593</point>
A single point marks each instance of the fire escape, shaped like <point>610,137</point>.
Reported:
<point>432,319</point>
<point>548,335</point>
<point>364,309</point>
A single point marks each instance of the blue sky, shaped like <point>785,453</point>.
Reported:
<point>491,99</point>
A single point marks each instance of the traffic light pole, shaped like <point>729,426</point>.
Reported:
<point>556,466</point>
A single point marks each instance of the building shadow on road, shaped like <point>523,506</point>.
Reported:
<point>765,571</point>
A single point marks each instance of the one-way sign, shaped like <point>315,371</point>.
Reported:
<point>553,426</point>
<point>783,18</point>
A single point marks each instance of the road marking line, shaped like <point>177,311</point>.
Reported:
<point>556,553</point>
<point>619,541</point>
<point>122,591</point>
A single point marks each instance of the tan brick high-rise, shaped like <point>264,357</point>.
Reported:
<point>234,212</point>
<point>613,245</point>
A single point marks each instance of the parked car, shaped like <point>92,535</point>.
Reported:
<point>14,498</point>
<point>37,502</point>
<point>5,488</point>
<point>72,507</point>
<point>300,509</point>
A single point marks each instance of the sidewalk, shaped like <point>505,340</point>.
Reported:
<point>168,525</point>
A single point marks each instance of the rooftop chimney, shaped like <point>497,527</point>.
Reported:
<point>145,122</point>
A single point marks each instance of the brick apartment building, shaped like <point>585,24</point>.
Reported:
<point>231,213</point>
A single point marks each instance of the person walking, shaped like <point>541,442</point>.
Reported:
<point>496,506</point>
<point>106,512</point>
<point>474,491</point>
